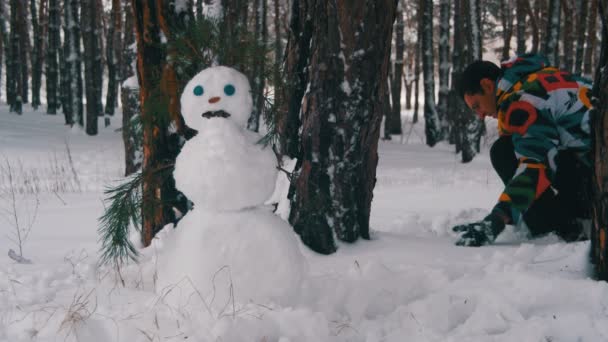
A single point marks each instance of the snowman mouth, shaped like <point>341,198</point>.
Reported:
<point>215,114</point>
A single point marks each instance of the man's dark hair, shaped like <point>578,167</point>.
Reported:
<point>474,73</point>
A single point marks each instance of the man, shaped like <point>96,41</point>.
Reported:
<point>543,152</point>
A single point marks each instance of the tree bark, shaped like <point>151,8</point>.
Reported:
<point>113,56</point>
<point>258,74</point>
<point>568,36</point>
<point>91,53</point>
<point>591,39</point>
<point>52,58</point>
<point>160,110</point>
<point>580,40</point>
<point>343,50</point>
<point>507,27</point>
<point>432,126</point>
<point>599,232</point>
<point>394,119</point>
<point>444,66</point>
<point>551,49</point>
<point>520,11</point>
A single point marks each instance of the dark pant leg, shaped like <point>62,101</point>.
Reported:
<point>502,155</point>
<point>546,213</point>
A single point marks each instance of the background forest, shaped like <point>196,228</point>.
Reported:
<point>356,99</point>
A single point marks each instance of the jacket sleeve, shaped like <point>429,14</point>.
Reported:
<point>535,143</point>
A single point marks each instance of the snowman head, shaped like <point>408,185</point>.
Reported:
<point>217,93</point>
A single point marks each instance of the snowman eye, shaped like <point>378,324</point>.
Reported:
<point>229,90</point>
<point>198,90</point>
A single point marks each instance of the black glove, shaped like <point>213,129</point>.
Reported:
<point>480,233</point>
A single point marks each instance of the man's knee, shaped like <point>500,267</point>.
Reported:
<point>502,155</point>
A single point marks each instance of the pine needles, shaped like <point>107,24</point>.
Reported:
<point>124,210</point>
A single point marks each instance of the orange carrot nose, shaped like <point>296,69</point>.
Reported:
<point>214,99</point>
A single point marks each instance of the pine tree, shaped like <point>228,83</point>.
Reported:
<point>113,56</point>
<point>52,58</point>
<point>551,49</point>
<point>444,65</point>
<point>393,121</point>
<point>520,10</point>
<point>92,62</point>
<point>337,63</point>
<point>599,231</point>
<point>591,38</point>
<point>432,126</point>
<point>580,40</point>
<point>507,27</point>
<point>37,51</point>
<point>72,107</point>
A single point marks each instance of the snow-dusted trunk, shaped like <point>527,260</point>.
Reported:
<point>15,75</point>
<point>344,50</point>
<point>551,49</point>
<point>72,55</point>
<point>580,39</point>
<point>444,64</point>
<point>473,127</point>
<point>591,38</point>
<point>431,118</point>
<point>127,59</point>
<point>162,125</point>
<point>52,58</point>
<point>457,108</point>
<point>24,50</point>
<point>417,62</point>
<point>113,56</point>
<point>259,73</point>
<point>232,25</point>
<point>520,10</point>
<point>534,24</point>
<point>568,36</point>
<point>506,18</point>
<point>36,55</point>
<point>393,120</point>
<point>4,40</point>
<point>599,231</point>
<point>91,63</point>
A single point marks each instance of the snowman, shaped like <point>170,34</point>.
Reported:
<point>229,249</point>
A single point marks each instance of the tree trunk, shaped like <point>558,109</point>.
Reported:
<point>568,36</point>
<point>160,110</point>
<point>520,11</point>
<point>259,77</point>
<point>534,24</point>
<point>394,118</point>
<point>24,50</point>
<point>15,80</point>
<point>4,42</point>
<point>444,65</point>
<point>113,56</point>
<point>52,58</point>
<point>507,27</point>
<point>344,49</point>
<point>432,127</point>
<point>91,51</point>
<point>591,38</point>
<point>417,68</point>
<point>72,55</point>
<point>599,232</point>
<point>551,49</point>
<point>129,51</point>
<point>580,40</point>
<point>37,52</point>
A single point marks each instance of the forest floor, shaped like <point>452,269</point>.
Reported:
<point>409,283</point>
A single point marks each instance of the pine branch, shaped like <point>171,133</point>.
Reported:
<point>124,210</point>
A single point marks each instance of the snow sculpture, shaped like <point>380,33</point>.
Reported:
<point>229,247</point>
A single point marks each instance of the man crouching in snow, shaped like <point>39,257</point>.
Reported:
<point>543,152</point>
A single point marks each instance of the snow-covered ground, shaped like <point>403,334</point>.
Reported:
<point>410,283</point>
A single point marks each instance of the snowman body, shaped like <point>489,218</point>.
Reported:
<point>229,246</point>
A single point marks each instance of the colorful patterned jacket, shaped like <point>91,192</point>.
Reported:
<point>545,110</point>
